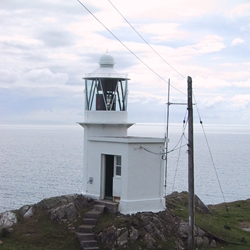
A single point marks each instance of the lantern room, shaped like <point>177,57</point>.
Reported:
<point>105,89</point>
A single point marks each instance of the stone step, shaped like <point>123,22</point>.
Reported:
<point>89,221</point>
<point>91,248</point>
<point>111,207</point>
<point>89,243</point>
<point>99,207</point>
<point>93,214</point>
<point>85,236</point>
<point>85,228</point>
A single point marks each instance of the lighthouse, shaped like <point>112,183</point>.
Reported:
<point>116,167</point>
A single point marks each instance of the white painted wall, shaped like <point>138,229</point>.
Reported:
<point>140,186</point>
<point>105,117</point>
<point>144,191</point>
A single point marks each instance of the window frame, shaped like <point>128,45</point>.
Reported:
<point>118,164</point>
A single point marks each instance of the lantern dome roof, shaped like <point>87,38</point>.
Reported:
<point>106,69</point>
<point>106,60</point>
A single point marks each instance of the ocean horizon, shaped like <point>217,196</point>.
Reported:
<point>42,161</point>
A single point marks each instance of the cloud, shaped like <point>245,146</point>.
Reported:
<point>242,101</point>
<point>146,98</point>
<point>208,44</point>
<point>237,41</point>
<point>54,38</point>
<point>212,102</point>
<point>7,76</point>
<point>44,77</point>
<point>240,11</point>
<point>158,30</point>
<point>48,46</point>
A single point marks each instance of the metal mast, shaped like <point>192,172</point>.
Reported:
<point>166,137</point>
<point>191,202</point>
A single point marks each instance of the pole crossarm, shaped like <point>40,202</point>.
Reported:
<point>176,103</point>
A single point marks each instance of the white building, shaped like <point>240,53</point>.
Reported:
<point>127,170</point>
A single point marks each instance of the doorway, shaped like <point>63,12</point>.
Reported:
<point>109,174</point>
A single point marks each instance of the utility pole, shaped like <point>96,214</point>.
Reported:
<point>191,204</point>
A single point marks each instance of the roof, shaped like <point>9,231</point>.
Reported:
<point>106,69</point>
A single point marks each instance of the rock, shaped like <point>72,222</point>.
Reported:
<point>7,219</point>
<point>199,232</point>
<point>199,241</point>
<point>108,237</point>
<point>1,242</point>
<point>27,211</point>
<point>213,244</point>
<point>149,241</point>
<point>200,207</point>
<point>23,209</point>
<point>154,225</point>
<point>183,229</point>
<point>64,213</point>
<point>182,198</point>
<point>205,242</point>
<point>78,200</point>
<point>123,239</point>
<point>133,234</point>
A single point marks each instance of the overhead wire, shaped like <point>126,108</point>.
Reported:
<point>145,40</point>
<point>179,153</point>
<point>127,47</point>
<point>183,135</point>
<point>210,154</point>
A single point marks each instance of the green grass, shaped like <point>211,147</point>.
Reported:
<point>40,232</point>
<point>224,224</point>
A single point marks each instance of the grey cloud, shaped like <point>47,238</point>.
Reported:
<point>57,38</point>
<point>64,6</point>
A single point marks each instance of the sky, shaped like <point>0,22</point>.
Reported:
<point>47,47</point>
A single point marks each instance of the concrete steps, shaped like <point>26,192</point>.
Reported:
<point>85,232</point>
<point>111,207</point>
<point>89,221</point>
<point>87,244</point>
<point>86,229</point>
<point>85,236</point>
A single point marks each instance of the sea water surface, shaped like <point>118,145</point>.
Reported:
<point>41,161</point>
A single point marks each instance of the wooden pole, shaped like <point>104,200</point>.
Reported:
<point>191,205</point>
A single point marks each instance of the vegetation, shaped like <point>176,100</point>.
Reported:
<point>226,221</point>
<point>40,232</point>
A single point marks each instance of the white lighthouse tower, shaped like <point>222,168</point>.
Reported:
<point>118,167</point>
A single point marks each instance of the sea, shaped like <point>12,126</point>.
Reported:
<point>42,161</point>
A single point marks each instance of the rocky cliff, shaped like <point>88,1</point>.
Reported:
<point>63,215</point>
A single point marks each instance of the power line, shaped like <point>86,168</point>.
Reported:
<point>146,41</point>
<point>210,153</point>
<point>127,47</point>
<point>179,153</point>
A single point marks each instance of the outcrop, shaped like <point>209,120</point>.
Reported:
<point>144,230</point>
<point>7,219</point>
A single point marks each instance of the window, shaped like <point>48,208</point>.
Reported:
<point>118,165</point>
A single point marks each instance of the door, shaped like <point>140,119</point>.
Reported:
<point>109,174</point>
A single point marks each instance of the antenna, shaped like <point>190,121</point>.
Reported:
<point>166,138</point>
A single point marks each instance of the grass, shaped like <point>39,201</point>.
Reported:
<point>40,232</point>
<point>224,223</point>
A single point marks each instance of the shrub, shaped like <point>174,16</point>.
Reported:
<point>4,233</point>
